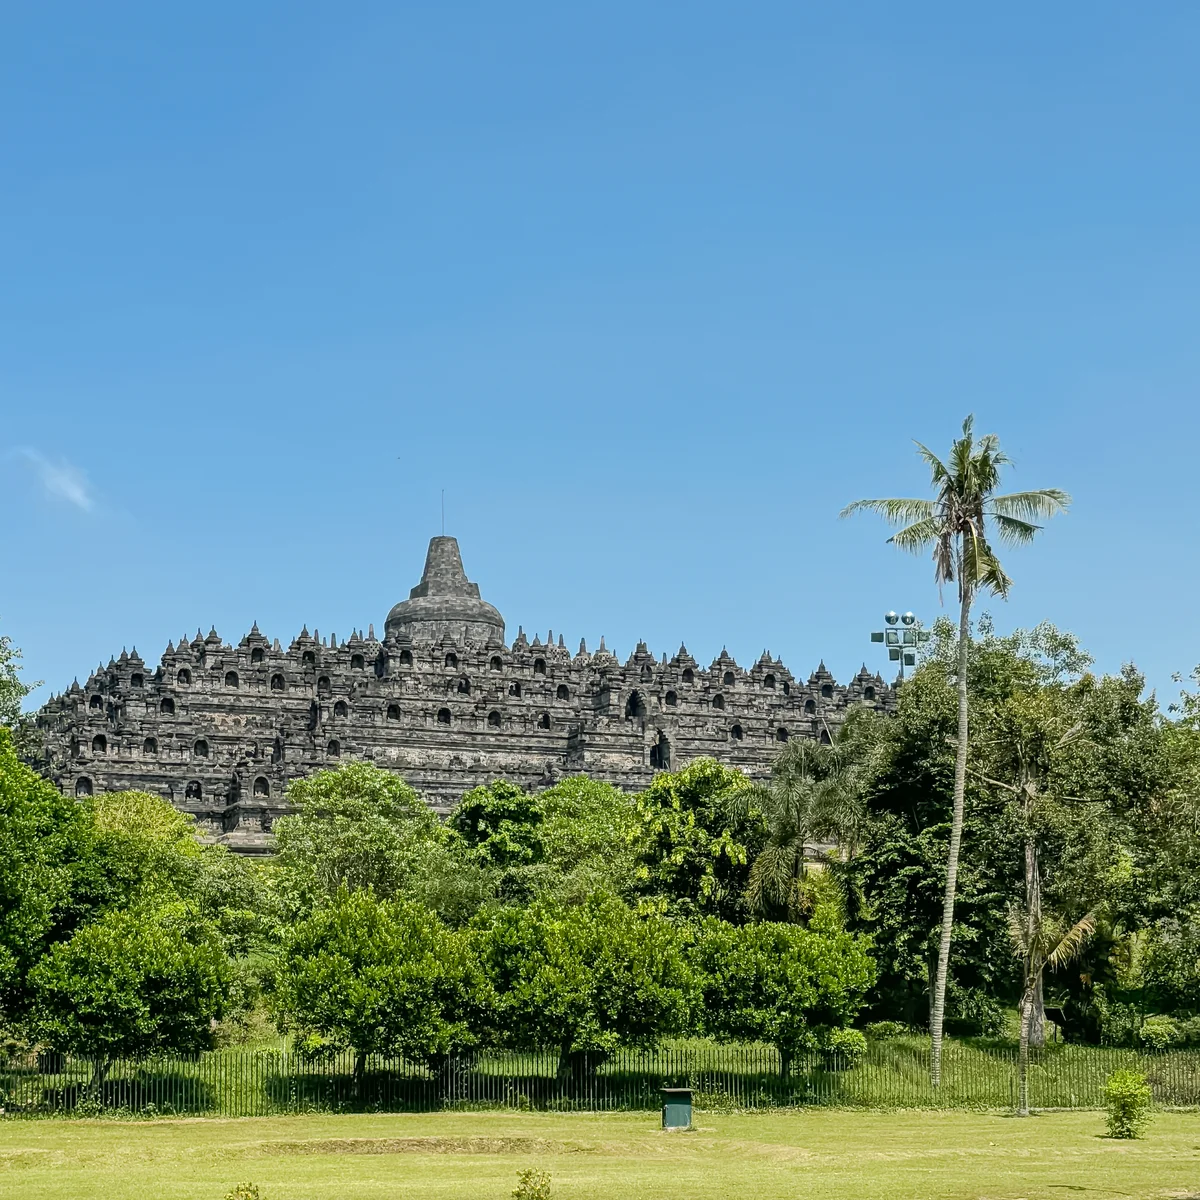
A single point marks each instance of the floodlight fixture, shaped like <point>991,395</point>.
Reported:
<point>901,643</point>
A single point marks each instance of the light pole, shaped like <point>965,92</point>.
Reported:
<point>901,643</point>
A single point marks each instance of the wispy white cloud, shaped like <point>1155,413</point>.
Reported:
<point>61,479</point>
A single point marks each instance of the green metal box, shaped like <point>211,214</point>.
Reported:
<point>677,1108</point>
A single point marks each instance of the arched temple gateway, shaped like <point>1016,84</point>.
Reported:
<point>442,700</point>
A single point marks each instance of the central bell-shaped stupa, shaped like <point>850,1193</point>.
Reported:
<point>446,604</point>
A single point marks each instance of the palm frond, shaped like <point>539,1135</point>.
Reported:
<point>981,566</point>
<point>737,805</point>
<point>774,870</point>
<point>987,449</point>
<point>943,559</point>
<point>1014,532</point>
<point>897,511</point>
<point>1031,506</point>
<point>1071,944</point>
<point>917,536</point>
<point>1018,931</point>
<point>938,471</point>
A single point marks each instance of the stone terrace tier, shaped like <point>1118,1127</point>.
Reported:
<point>442,700</point>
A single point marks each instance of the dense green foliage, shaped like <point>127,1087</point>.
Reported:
<point>129,984</point>
<point>581,919</point>
<point>780,983</point>
<point>695,845</point>
<point>1128,1101</point>
<point>382,977</point>
<point>586,978</point>
<point>360,827</point>
<point>13,689</point>
<point>564,842</point>
<point>53,873</point>
<point>1084,774</point>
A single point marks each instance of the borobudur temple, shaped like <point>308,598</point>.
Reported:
<point>442,700</point>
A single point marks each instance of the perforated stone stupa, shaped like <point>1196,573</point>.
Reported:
<point>442,700</point>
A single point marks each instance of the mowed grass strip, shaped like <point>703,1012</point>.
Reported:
<point>818,1153</point>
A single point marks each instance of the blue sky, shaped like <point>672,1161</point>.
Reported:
<point>651,290</point>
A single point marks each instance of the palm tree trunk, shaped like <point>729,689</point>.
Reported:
<point>1023,1051</point>
<point>1030,1007</point>
<point>1037,1023</point>
<point>1036,1017</point>
<point>938,1012</point>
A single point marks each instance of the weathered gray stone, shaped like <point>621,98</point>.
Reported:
<point>219,730</point>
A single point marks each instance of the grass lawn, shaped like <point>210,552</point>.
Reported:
<point>817,1152</point>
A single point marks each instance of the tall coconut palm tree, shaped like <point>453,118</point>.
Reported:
<point>957,523</point>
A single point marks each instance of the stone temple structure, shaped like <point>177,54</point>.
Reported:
<point>442,699</point>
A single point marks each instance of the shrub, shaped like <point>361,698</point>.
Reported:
<point>842,1048</point>
<point>1127,1098</point>
<point>881,1031</point>
<point>532,1184</point>
<point>971,1012</point>
<point>1161,1033</point>
<point>1115,1021</point>
<point>243,1191</point>
<point>1190,1027</point>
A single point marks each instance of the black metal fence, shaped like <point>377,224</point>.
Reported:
<point>892,1074</point>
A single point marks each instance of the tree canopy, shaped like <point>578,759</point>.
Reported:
<point>381,976</point>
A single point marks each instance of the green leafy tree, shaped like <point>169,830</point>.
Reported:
<point>499,825</point>
<point>1027,732</point>
<point>55,874</point>
<point>129,984</point>
<point>778,983</point>
<point>360,827</point>
<point>67,863</point>
<point>563,842</point>
<point>957,524</point>
<point>152,856</point>
<point>13,689</point>
<point>695,846</point>
<point>1071,785</point>
<point>587,978</point>
<point>587,833</point>
<point>496,829</point>
<point>381,977</point>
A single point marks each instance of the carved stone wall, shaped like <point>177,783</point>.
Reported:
<point>442,700</point>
